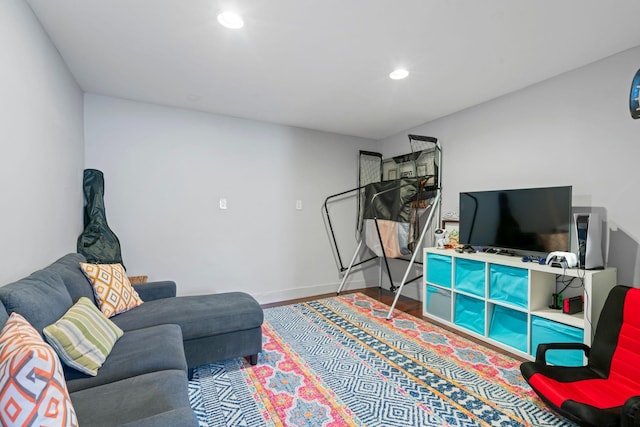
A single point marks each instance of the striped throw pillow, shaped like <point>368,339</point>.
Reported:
<point>83,337</point>
<point>33,391</point>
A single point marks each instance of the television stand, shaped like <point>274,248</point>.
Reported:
<point>505,302</point>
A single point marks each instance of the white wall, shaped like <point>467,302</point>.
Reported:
<point>574,129</point>
<point>41,122</point>
<point>166,169</point>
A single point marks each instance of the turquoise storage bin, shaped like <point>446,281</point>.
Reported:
<point>439,302</point>
<point>548,331</point>
<point>469,313</point>
<point>509,327</point>
<point>470,276</point>
<point>509,284</point>
<point>439,270</point>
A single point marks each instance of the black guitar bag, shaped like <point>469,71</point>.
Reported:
<point>97,243</point>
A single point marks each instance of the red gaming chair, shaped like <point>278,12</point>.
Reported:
<point>605,392</point>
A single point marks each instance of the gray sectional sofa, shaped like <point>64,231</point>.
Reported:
<point>144,380</point>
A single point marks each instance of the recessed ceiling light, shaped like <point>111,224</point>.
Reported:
<point>398,74</point>
<point>230,20</point>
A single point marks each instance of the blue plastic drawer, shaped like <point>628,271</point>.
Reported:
<point>470,276</point>
<point>509,284</point>
<point>469,313</point>
<point>439,303</point>
<point>548,331</point>
<point>439,270</point>
<point>509,327</point>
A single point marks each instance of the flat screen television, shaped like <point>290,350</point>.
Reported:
<point>524,220</point>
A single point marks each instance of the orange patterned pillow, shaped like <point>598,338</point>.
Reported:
<point>33,391</point>
<point>111,287</point>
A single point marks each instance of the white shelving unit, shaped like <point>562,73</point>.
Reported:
<point>505,301</point>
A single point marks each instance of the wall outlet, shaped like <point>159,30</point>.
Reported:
<point>223,203</point>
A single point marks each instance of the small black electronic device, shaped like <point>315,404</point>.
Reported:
<point>572,305</point>
<point>555,302</point>
<point>466,248</point>
<point>505,252</point>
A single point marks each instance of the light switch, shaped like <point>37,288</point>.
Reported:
<point>299,205</point>
<point>223,203</point>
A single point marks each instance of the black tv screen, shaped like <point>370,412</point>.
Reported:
<point>527,220</point>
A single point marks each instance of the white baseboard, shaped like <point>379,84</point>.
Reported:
<point>410,290</point>
<point>304,292</point>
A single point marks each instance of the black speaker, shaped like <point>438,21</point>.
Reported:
<point>589,233</point>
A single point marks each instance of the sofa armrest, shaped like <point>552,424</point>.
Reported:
<point>150,291</point>
<point>541,352</point>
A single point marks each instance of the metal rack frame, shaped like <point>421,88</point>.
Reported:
<point>415,140</point>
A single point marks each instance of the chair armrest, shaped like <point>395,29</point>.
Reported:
<point>630,416</point>
<point>150,291</point>
<point>541,352</point>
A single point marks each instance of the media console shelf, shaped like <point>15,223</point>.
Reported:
<point>505,301</point>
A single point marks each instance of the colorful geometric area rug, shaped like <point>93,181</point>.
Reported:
<point>338,362</point>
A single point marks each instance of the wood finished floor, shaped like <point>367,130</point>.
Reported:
<point>405,304</point>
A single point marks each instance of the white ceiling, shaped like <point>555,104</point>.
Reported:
<point>324,64</point>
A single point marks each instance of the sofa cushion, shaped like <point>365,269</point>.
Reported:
<point>198,316</point>
<point>83,337</point>
<point>77,284</point>
<point>154,399</point>
<point>137,352</point>
<point>111,287</point>
<point>40,298</point>
<point>25,398</point>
